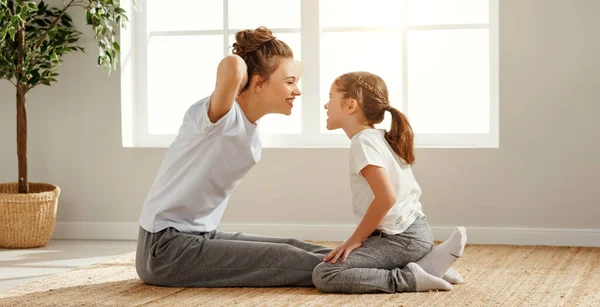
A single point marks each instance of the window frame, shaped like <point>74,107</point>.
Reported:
<point>134,102</point>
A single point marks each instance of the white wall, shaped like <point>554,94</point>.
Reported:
<point>544,175</point>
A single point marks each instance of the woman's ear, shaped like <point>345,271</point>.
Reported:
<point>257,84</point>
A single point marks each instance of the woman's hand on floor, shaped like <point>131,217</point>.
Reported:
<point>343,250</point>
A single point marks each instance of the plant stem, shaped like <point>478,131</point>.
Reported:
<point>22,139</point>
<point>21,111</point>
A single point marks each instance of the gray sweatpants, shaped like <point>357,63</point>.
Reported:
<point>222,259</point>
<point>378,266</point>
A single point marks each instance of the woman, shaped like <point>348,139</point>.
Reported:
<point>216,146</point>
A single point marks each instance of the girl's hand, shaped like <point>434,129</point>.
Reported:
<point>344,249</point>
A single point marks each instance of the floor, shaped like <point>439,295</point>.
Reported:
<point>495,275</point>
<point>21,266</point>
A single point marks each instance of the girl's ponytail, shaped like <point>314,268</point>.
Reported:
<point>401,137</point>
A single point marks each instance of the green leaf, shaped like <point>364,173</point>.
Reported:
<point>11,33</point>
<point>41,22</point>
<point>42,7</point>
<point>3,33</point>
<point>14,21</point>
<point>65,22</point>
<point>117,47</point>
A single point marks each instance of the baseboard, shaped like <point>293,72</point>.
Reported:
<point>322,232</point>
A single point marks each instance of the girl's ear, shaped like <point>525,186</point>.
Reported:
<point>351,106</point>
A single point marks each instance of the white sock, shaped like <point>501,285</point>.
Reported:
<point>452,276</point>
<point>441,257</point>
<point>425,281</point>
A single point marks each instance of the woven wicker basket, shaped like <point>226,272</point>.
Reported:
<point>27,220</point>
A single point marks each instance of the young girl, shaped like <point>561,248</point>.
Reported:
<point>390,249</point>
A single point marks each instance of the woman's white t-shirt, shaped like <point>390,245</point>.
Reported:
<point>201,168</point>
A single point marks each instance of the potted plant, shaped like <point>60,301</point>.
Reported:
<point>34,38</point>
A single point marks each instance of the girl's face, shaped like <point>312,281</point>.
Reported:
<point>279,92</point>
<point>336,113</point>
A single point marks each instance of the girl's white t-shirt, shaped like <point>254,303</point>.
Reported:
<point>369,147</point>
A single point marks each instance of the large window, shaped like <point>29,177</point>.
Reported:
<point>439,59</point>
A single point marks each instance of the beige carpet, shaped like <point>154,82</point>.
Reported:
<point>495,276</point>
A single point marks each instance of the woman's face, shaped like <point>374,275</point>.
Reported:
<point>280,90</point>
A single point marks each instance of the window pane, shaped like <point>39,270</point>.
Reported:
<point>244,14</point>
<point>429,12</point>
<point>179,77</point>
<point>360,13</point>
<point>361,51</point>
<point>278,123</point>
<point>181,15</point>
<point>448,81</point>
